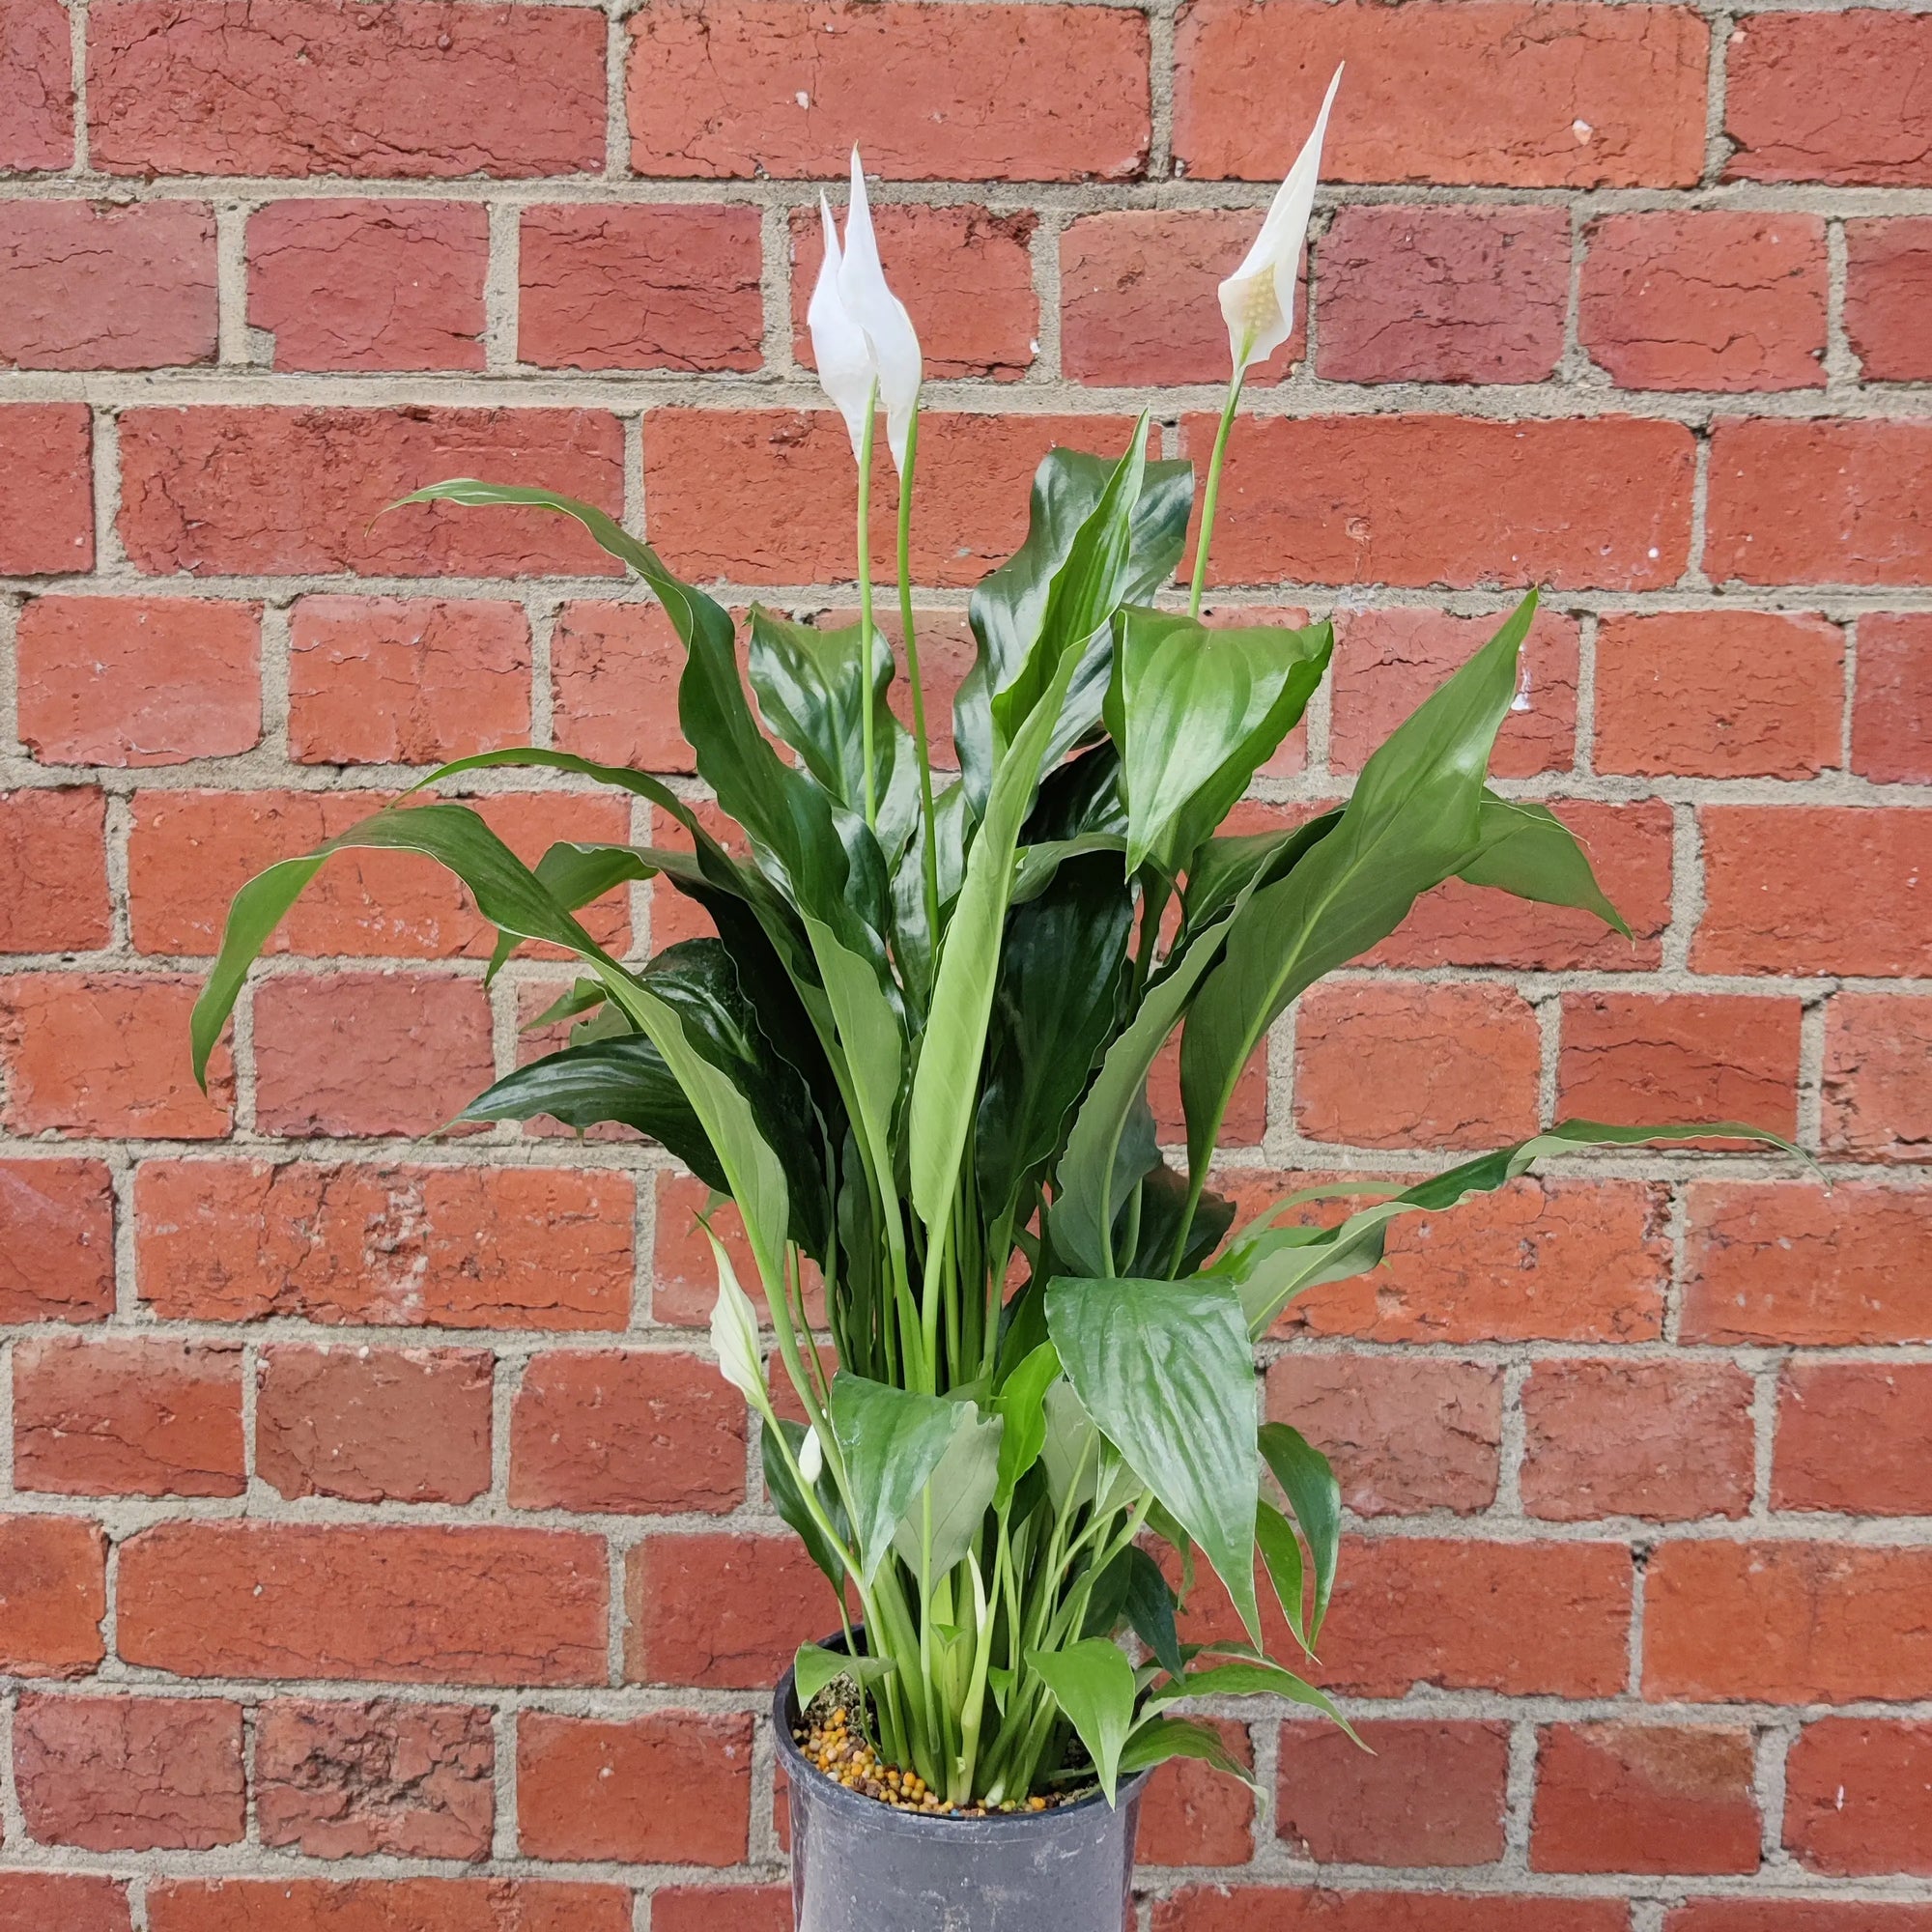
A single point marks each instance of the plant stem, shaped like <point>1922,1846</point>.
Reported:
<point>923,750</point>
<point>1212,494</point>
<point>865,606</point>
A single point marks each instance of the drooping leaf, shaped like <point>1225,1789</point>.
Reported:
<point>1094,1685</point>
<point>1250,1680</point>
<point>961,1491</point>
<point>892,1441</point>
<point>1281,1554</point>
<point>814,1667</point>
<point>1166,1370</point>
<point>1528,851</point>
<point>1412,821</point>
<point>1196,711</point>
<point>1315,1498</point>
<point>1151,1611</point>
<point>1155,1740</point>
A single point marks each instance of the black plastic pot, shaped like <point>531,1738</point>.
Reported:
<point>858,1865</point>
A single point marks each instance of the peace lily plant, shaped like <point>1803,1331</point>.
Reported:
<point>916,1055</point>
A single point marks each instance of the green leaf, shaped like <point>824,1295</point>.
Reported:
<point>1251,1680</point>
<point>1528,850</point>
<point>1274,1538</point>
<point>814,1667</point>
<point>1163,1200</point>
<point>1315,1498</point>
<point>1021,1404</point>
<point>1196,712</point>
<point>1155,1740</point>
<point>1151,1611</point>
<point>1413,821</point>
<point>892,1441</point>
<point>789,1501</point>
<point>1094,1685</point>
<point>961,1489</point>
<point>1166,1370</point>
<point>1055,1000</point>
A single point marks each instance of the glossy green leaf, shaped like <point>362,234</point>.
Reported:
<point>814,1667</point>
<point>1528,851</point>
<point>1150,1608</point>
<point>1315,1498</point>
<point>1281,1555</point>
<point>1251,1680</point>
<point>892,1441</point>
<point>1094,1685</point>
<point>1165,1368</point>
<point>961,1491</point>
<point>1197,711</point>
<point>1021,1405</point>
<point>1155,1740</point>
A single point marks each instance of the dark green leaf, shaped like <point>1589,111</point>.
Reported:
<point>789,1502</point>
<point>1528,850</point>
<point>1315,1498</point>
<point>1155,1740</point>
<point>1151,1611</point>
<point>1274,1538</point>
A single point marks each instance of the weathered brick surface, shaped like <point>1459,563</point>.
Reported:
<point>368,1500</point>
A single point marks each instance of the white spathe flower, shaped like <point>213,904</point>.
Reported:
<point>734,1331</point>
<point>1258,299</point>
<point>810,1456</point>
<point>860,334</point>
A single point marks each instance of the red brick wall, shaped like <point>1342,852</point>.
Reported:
<point>377,1550</point>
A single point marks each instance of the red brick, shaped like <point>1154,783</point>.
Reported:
<point>1630,848</point>
<point>106,1053</point>
<point>406,680</point>
<point>1412,500</point>
<point>927,93</point>
<point>1719,694</point>
<point>1526,1619</point>
<point>1638,1057</point>
<point>1137,297</point>
<point>1878,1077</point>
<point>292,491</point>
<point>464,1247</point>
<point>1855,1438</point>
<point>1246,1121</point>
<point>720,1613</point>
<point>47,489</point>
<point>385,1905</point>
<point>1796,1915</point>
<point>1268,1909</point>
<point>190,852</point>
<point>1443,295</point>
<point>1193,1814</point>
<point>95,1416</point>
<point>131,1773</point>
<point>1395,1065</point>
<point>1793,1263</point>
<point>1858,1798</point>
<point>474,1604</point>
<point>1828,1623</point>
<point>684,1276</point>
<point>642,1433</point>
<point>57,1263</point>
<point>1422,1794</point>
<point>1711,299</point>
<point>1644,1798</point>
<point>140,680</point>
<point>682,1908</point>
<point>1828,97</point>
<point>1891,712</point>
<point>1548,96</point>
<point>84,285</point>
<point>53,1594</point>
<point>1888,284</point>
<point>1777,880</point>
<point>670,287</point>
<point>37,105</point>
<point>336,1779</point>
<point>964,273</point>
<point>614,670</point>
<point>368,1053</point>
<point>1796,502</point>
<point>401,1425</point>
<point>305,87</point>
<point>1668,1441</point>
<point>1561,1261</point>
<point>670,1788</point>
<point>53,870</point>
<point>765,495</point>
<point>1387,662</point>
<point>1405,1433</point>
<point>31,1901</point>
<point>370,284</point>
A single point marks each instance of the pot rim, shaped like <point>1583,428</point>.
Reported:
<point>827,1790</point>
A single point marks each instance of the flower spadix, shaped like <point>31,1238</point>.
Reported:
<point>864,341</point>
<point>1258,299</point>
